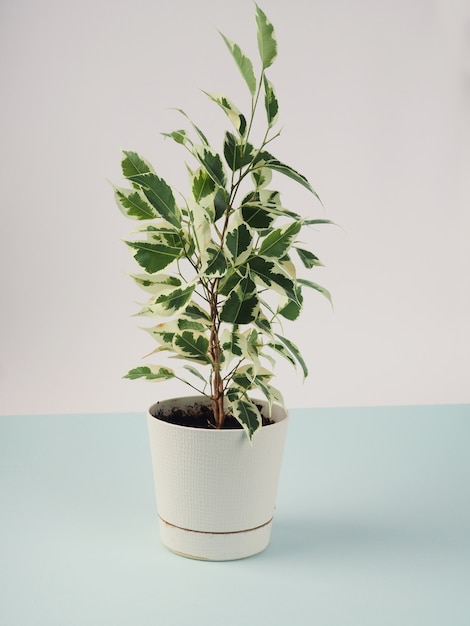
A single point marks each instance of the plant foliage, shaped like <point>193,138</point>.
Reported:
<point>219,265</point>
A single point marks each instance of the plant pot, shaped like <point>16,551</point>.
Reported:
<point>215,491</point>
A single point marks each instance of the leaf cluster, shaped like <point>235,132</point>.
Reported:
<point>220,264</point>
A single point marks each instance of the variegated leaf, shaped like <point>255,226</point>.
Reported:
<point>170,302</point>
<point>236,153</point>
<point>295,352</point>
<point>160,195</point>
<point>196,373</point>
<point>278,242</point>
<point>233,345</point>
<point>308,258</point>
<point>180,136</point>
<point>132,203</point>
<point>244,410</point>
<point>154,257</point>
<point>192,345</point>
<point>274,164</point>
<point>201,222</point>
<point>280,348</point>
<point>202,185</point>
<point>241,306</point>
<point>199,132</point>
<point>290,309</point>
<point>212,162</point>
<point>214,263</point>
<point>233,113</point>
<point>238,242</point>
<point>154,373</point>
<point>243,62</point>
<point>164,332</point>
<point>196,313</point>
<point>134,164</point>
<point>267,43</point>
<point>156,283</point>
<point>270,275</point>
<point>270,102</point>
<point>261,176</point>
<point>317,287</point>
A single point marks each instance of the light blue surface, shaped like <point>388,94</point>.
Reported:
<point>372,527</point>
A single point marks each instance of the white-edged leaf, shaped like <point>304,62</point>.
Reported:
<point>270,103</point>
<point>155,283</point>
<point>132,203</point>
<point>317,287</point>
<point>214,263</point>
<point>231,110</point>
<point>159,194</point>
<point>133,164</point>
<point>154,257</point>
<point>278,242</point>
<point>295,352</point>
<point>267,43</point>
<point>244,410</point>
<point>238,241</point>
<point>243,62</point>
<point>154,373</point>
<point>192,345</point>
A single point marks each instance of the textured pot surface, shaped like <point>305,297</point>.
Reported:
<point>215,492</point>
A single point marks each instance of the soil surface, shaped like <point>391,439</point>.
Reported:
<point>200,416</point>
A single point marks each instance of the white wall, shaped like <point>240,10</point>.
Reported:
<point>375,102</point>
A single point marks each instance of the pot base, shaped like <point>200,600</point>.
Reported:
<point>221,546</point>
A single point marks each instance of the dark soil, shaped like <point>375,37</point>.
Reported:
<point>200,416</point>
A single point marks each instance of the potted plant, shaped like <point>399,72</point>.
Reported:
<point>219,266</point>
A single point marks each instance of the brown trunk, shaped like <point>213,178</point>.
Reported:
<point>216,353</point>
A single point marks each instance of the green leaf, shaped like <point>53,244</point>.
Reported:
<point>308,258</point>
<point>160,195</point>
<point>133,164</point>
<point>133,204</point>
<point>245,411</point>
<point>243,62</point>
<point>151,372</point>
<point>270,102</point>
<point>192,345</point>
<point>237,154</point>
<point>212,163</point>
<point>241,306</point>
<point>267,43</point>
<point>293,349</point>
<point>277,243</point>
<point>317,287</point>
<point>239,243</point>
<point>180,136</point>
<point>155,284</point>
<point>154,257</point>
<point>214,263</point>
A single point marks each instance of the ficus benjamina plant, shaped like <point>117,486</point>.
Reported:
<point>219,264</point>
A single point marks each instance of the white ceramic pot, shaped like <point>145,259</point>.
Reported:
<point>215,492</point>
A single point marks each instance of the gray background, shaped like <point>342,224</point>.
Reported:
<point>374,100</point>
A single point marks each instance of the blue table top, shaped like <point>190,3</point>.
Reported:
<point>372,526</point>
